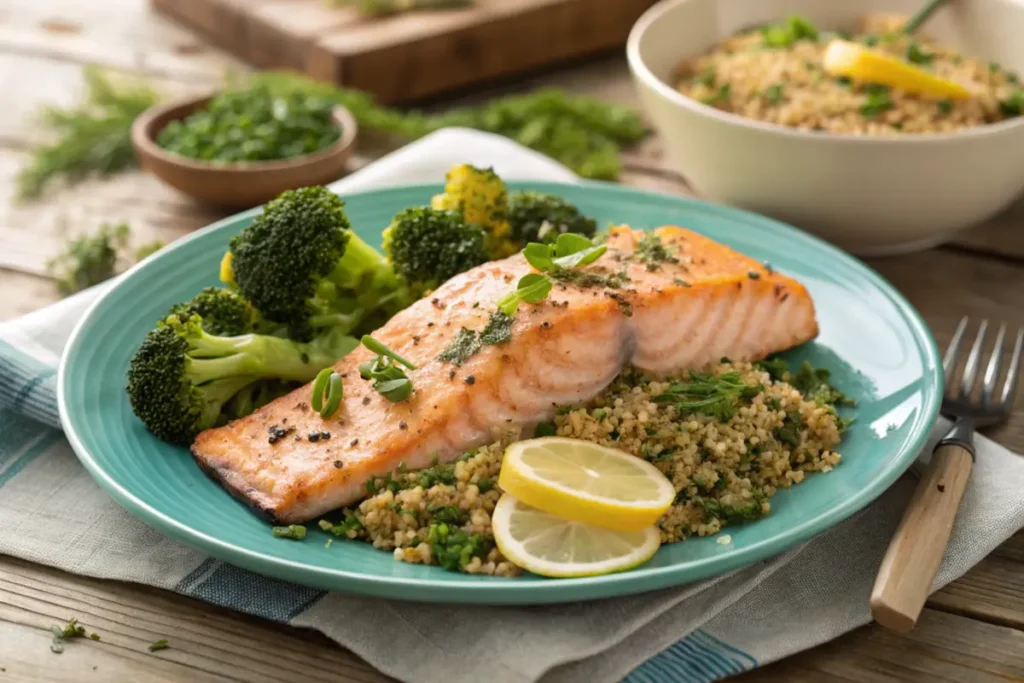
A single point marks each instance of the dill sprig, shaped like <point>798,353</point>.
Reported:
<point>91,138</point>
<point>717,396</point>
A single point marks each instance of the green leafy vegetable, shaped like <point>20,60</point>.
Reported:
<point>389,380</point>
<point>789,432</point>
<point>161,644</point>
<point>88,260</point>
<point>347,527</point>
<point>532,288</point>
<point>945,106</point>
<point>64,633</point>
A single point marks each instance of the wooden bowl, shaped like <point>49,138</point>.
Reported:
<point>238,185</point>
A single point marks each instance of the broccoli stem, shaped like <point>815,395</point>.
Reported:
<point>260,356</point>
<point>360,260</point>
<point>218,392</point>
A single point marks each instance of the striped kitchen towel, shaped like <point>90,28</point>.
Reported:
<point>51,512</point>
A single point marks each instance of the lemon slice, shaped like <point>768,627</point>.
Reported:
<point>583,482</point>
<point>550,546</point>
<point>843,58</point>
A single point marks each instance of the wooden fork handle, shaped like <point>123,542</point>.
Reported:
<point>908,569</point>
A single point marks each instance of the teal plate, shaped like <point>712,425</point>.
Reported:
<point>876,345</point>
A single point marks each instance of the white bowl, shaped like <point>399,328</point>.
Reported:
<point>869,195</point>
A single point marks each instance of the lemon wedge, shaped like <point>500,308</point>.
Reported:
<point>584,482</point>
<point>550,546</point>
<point>843,58</point>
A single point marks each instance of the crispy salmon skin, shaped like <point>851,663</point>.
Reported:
<point>679,304</point>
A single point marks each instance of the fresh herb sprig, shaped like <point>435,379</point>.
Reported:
<point>88,260</point>
<point>90,138</point>
<point>389,380</point>
<point>568,252</point>
<point>467,342</point>
<point>718,396</point>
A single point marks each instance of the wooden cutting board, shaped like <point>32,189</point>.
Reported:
<point>411,56</point>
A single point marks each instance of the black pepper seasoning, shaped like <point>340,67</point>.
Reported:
<point>353,442</point>
<point>403,425</point>
<point>366,400</point>
<point>754,275</point>
<point>338,464</point>
<point>470,380</point>
<point>313,437</point>
<point>325,435</point>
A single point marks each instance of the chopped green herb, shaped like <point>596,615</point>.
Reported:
<point>345,527</point>
<point>720,96</point>
<point>389,380</point>
<point>773,94</point>
<point>870,40</point>
<point>1013,105</point>
<point>484,484</point>
<point>465,344</point>
<point>88,260</point>
<point>161,644</point>
<point>794,28</point>
<point>945,106</point>
<point>877,100</point>
<point>532,288</point>
<point>814,384</point>
<point>918,55</point>
<point>706,79</point>
<point>63,633</point>
<point>498,329</point>
<point>448,514</point>
<point>789,432</point>
<point>745,512</point>
<point>545,429</point>
<point>377,347</point>
<point>715,395</point>
<point>296,532</point>
<point>844,82</point>
<point>652,251</point>
<point>455,548</point>
<point>775,367</point>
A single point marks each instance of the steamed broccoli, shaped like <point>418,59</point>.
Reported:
<point>428,246</point>
<point>223,312</point>
<point>480,196</point>
<point>540,217</point>
<point>181,377</point>
<point>301,266</point>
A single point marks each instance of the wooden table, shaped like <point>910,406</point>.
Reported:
<point>973,630</point>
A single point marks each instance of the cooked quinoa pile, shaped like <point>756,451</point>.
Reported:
<point>728,439</point>
<point>774,74</point>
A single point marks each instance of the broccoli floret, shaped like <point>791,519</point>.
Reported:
<point>540,217</point>
<point>428,246</point>
<point>181,377</point>
<point>223,312</point>
<point>255,396</point>
<point>300,265</point>
<point>480,196</point>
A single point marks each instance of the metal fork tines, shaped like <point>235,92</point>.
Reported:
<point>985,408</point>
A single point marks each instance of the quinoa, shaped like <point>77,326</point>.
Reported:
<point>725,464</point>
<point>761,76</point>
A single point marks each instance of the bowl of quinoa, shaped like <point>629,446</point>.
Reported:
<point>738,93</point>
<point>769,431</point>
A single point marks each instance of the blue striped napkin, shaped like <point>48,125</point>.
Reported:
<point>51,512</point>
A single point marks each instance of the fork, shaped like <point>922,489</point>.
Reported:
<point>915,552</point>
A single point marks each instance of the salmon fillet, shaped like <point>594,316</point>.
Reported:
<point>667,317</point>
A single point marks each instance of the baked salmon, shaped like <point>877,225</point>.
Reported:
<point>683,307</point>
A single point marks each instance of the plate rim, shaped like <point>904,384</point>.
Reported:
<point>507,592</point>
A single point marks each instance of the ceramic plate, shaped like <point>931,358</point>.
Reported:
<point>877,347</point>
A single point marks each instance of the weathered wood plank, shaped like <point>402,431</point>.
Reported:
<point>943,647</point>
<point>123,34</point>
<point>207,642</point>
<point>993,591</point>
